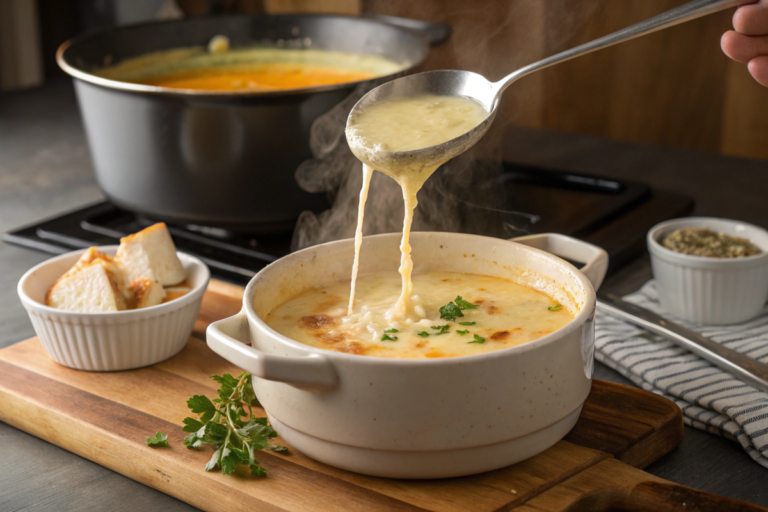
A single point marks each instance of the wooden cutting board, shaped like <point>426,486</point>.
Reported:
<point>106,417</point>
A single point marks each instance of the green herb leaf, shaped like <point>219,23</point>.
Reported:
<point>257,470</point>
<point>463,304</point>
<point>160,439</point>
<point>387,337</point>
<point>277,448</point>
<point>555,308</point>
<point>450,311</point>
<point>442,329</point>
<point>214,461</point>
<point>391,330</point>
<point>225,380</point>
<point>478,339</point>
<point>192,425</point>
<point>202,405</point>
<point>462,333</point>
<point>423,334</point>
<point>467,323</point>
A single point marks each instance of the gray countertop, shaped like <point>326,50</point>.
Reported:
<point>45,169</point>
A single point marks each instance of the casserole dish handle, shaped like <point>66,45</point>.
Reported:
<point>229,338</point>
<point>593,258</point>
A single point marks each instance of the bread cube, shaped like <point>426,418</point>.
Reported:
<point>150,253</point>
<point>146,293</point>
<point>92,287</point>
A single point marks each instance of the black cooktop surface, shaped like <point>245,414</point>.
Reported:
<point>612,214</point>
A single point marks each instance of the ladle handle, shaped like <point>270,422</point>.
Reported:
<point>686,12</point>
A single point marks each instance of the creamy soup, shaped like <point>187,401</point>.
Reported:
<point>431,315</point>
<point>506,315</point>
<point>248,69</point>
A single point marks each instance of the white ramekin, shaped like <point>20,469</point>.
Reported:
<point>122,340</point>
<point>710,290</point>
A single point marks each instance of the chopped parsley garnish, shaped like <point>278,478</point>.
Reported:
<point>467,323</point>
<point>462,333</point>
<point>387,337</point>
<point>463,304</point>
<point>555,308</point>
<point>442,329</point>
<point>391,330</point>
<point>478,339</point>
<point>450,311</point>
<point>423,334</point>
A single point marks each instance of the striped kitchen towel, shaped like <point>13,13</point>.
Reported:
<point>710,398</point>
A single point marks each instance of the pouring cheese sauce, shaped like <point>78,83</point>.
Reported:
<point>405,125</point>
<point>376,315</point>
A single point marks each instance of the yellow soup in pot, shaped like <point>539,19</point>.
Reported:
<point>249,69</point>
<point>497,313</point>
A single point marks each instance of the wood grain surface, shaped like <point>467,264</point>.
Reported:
<point>674,87</point>
<point>106,417</point>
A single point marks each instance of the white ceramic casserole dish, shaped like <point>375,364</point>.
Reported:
<point>408,418</point>
<point>710,290</point>
<point>120,340</point>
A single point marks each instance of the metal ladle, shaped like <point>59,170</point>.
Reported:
<point>472,85</point>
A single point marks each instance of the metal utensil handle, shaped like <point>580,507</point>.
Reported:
<point>745,368</point>
<point>686,12</point>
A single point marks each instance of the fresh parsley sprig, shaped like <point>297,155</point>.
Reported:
<point>225,424</point>
<point>387,337</point>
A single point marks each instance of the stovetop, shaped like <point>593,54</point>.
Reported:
<point>613,214</point>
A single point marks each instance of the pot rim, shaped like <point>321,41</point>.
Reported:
<point>85,76</point>
<point>577,322</point>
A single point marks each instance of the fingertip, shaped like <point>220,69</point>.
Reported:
<point>729,44</point>
<point>758,68</point>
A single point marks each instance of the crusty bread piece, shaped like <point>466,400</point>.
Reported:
<point>146,293</point>
<point>150,253</point>
<point>89,288</point>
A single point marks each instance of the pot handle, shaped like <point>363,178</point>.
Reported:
<point>594,258</point>
<point>228,338</point>
<point>435,33</point>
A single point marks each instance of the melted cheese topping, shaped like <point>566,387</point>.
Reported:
<point>508,315</point>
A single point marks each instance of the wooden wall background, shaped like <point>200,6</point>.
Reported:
<point>673,88</point>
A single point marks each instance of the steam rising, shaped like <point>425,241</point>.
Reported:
<point>489,37</point>
<point>336,171</point>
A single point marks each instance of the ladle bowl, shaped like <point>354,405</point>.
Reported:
<point>487,93</point>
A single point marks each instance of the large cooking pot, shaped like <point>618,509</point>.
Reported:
<point>421,418</point>
<point>219,158</point>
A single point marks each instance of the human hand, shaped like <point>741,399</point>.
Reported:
<point>749,42</point>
